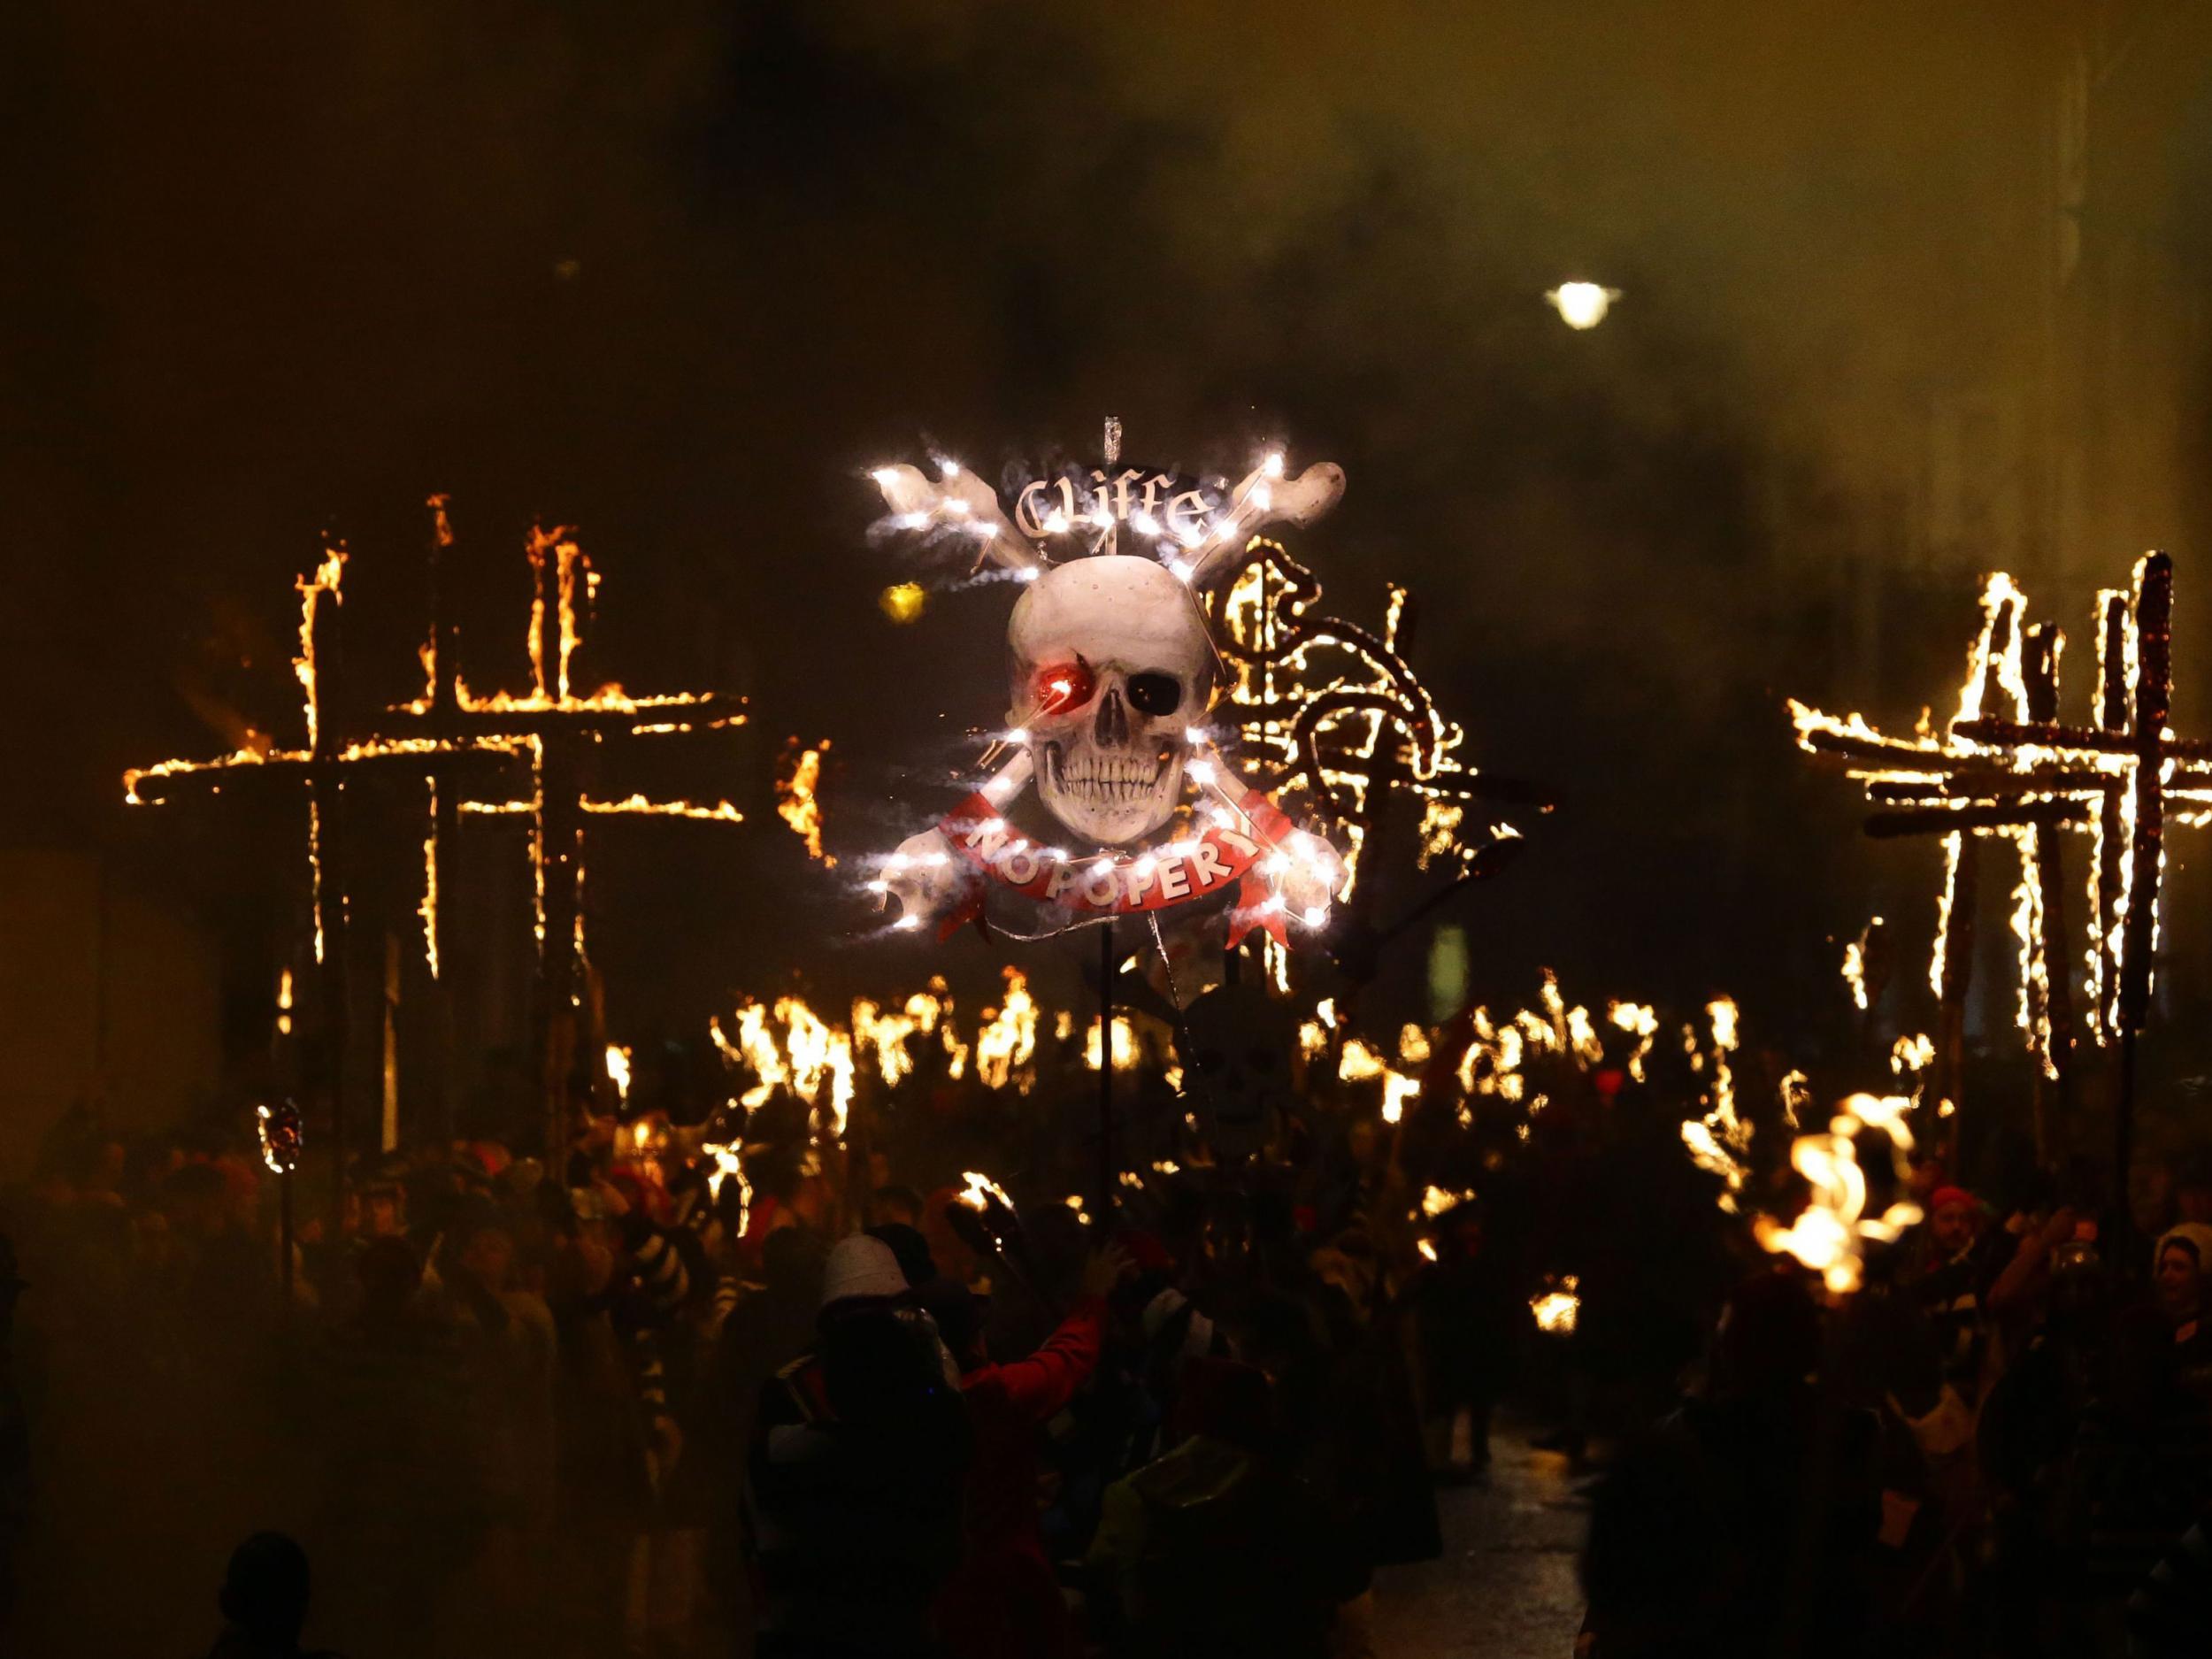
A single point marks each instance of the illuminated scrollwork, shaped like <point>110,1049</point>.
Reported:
<point>1333,710</point>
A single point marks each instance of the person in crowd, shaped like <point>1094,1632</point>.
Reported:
<point>772,1324</point>
<point>15,1436</point>
<point>2170,1615</point>
<point>1466,1315</point>
<point>913,1253</point>
<point>2192,1187</point>
<point>1003,1602</point>
<point>620,1290</point>
<point>506,1353</point>
<point>1215,1549</point>
<point>1338,1346</point>
<point>404,1503</point>
<point>264,1600</point>
<point>384,1202</point>
<point>854,1479</point>
<point>1747,1525</point>
<point>895,1206</point>
<point>2183,1268</point>
<point>1961,1257</point>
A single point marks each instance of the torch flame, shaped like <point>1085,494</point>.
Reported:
<point>980,1190</point>
<point>1435,1200</point>
<point>796,803</point>
<point>1830,1234</point>
<point>1359,1062</point>
<point>1008,1041</point>
<point>1125,1045</point>
<point>1557,1310</point>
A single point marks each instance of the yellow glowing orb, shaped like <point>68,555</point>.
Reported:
<point>903,602</point>
<point>1582,305</point>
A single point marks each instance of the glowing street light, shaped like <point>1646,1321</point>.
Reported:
<point>1582,305</point>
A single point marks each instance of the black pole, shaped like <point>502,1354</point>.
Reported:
<point>284,1234</point>
<point>1105,1069</point>
<point>2124,1138</point>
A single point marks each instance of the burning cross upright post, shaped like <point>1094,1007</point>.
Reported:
<point>466,749</point>
<point>2028,777</point>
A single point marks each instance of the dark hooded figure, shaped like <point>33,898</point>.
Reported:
<point>264,1600</point>
<point>1752,1508</point>
<point>852,1501</point>
<point>15,1436</point>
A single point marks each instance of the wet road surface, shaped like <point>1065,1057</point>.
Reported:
<point>1505,1587</point>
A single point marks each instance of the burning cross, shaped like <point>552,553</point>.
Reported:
<point>2009,767</point>
<point>452,738</point>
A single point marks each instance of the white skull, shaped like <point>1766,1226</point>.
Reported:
<point>1111,664</point>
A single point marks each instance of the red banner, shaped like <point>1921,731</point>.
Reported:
<point>1159,879</point>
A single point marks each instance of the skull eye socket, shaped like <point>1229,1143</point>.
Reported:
<point>1060,686</point>
<point>1155,694</point>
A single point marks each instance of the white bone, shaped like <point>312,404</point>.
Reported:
<point>1314,873</point>
<point>927,875</point>
<point>1257,501</point>
<point>908,490</point>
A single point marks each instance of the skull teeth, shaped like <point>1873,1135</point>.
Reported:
<point>1106,779</point>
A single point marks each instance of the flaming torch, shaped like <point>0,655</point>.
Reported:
<point>1558,1309</point>
<point>280,1143</point>
<point>985,1217</point>
<point>1830,1234</point>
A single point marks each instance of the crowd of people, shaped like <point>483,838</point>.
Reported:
<point>2000,1444</point>
<point>658,1408</point>
<point>812,1399</point>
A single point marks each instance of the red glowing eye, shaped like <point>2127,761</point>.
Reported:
<point>1064,686</point>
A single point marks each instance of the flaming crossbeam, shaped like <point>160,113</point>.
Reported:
<point>152,786</point>
<point>608,713</point>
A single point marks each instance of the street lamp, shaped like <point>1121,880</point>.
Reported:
<point>1582,305</point>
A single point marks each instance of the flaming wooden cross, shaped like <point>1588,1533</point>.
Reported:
<point>468,750</point>
<point>2009,767</point>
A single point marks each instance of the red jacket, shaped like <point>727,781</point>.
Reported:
<point>1003,1603</point>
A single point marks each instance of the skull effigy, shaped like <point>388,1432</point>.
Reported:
<point>1111,666</point>
<point>1113,671</point>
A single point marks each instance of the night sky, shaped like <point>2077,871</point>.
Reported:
<point>680,274</point>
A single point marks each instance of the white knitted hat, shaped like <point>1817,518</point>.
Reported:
<point>861,1266</point>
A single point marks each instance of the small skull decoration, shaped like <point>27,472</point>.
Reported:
<point>1238,1048</point>
<point>1112,666</point>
